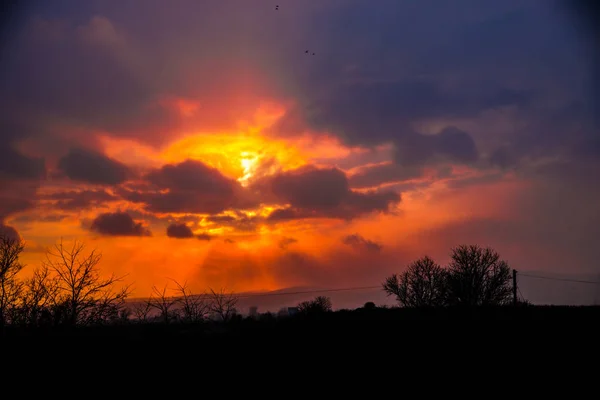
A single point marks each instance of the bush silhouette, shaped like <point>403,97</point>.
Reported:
<point>369,305</point>
<point>320,304</point>
<point>423,284</point>
<point>478,277</point>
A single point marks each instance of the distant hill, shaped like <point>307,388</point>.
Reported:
<point>560,289</point>
<point>273,301</point>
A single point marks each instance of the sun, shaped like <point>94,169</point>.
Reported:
<point>249,162</point>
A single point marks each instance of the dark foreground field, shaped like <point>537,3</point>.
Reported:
<point>531,325</point>
<point>378,345</point>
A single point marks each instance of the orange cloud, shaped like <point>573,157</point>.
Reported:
<point>306,224</point>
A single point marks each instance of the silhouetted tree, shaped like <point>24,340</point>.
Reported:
<point>423,284</point>
<point>163,304</point>
<point>10,286</point>
<point>478,277</point>
<point>319,304</point>
<point>38,297</point>
<point>223,304</point>
<point>141,310</point>
<point>369,305</point>
<point>81,291</point>
<point>193,308</point>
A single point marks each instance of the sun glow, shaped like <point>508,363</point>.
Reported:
<point>249,162</point>
<point>238,156</point>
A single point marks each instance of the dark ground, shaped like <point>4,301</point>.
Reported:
<point>362,327</point>
<point>383,347</point>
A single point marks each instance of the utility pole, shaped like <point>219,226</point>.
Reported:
<point>515,300</point>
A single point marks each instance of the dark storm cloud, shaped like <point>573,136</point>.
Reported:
<point>310,193</point>
<point>20,174</point>
<point>190,175</point>
<point>378,70</point>
<point>450,144</point>
<point>204,236</point>
<point>16,196</point>
<point>374,113</point>
<point>585,17</point>
<point>456,144</point>
<point>434,62</point>
<point>88,76</point>
<point>15,165</point>
<point>8,232</point>
<point>118,224</point>
<point>314,193</point>
<point>564,131</point>
<point>10,204</point>
<point>503,158</point>
<point>381,73</point>
<point>77,200</point>
<point>376,101</point>
<point>106,67</point>
<point>358,242</point>
<point>182,231</point>
<point>179,231</point>
<point>191,186</point>
<point>312,188</point>
<point>93,167</point>
<point>286,214</point>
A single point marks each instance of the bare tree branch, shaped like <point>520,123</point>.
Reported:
<point>39,295</point>
<point>193,308</point>
<point>223,304</point>
<point>423,284</point>
<point>85,295</point>
<point>10,286</point>
<point>141,311</point>
<point>478,277</point>
<point>319,304</point>
<point>163,304</point>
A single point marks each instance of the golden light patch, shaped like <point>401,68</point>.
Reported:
<point>235,155</point>
<point>129,151</point>
<point>249,163</point>
<point>243,154</point>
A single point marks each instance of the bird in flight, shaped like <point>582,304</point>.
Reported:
<point>305,51</point>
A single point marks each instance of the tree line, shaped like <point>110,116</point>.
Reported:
<point>67,289</point>
<point>475,276</point>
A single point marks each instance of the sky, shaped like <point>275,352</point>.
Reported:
<point>325,144</point>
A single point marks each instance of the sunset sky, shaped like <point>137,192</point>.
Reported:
<point>199,141</point>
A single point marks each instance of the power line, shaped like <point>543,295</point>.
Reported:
<point>559,279</point>
<point>309,291</point>
<point>250,295</point>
